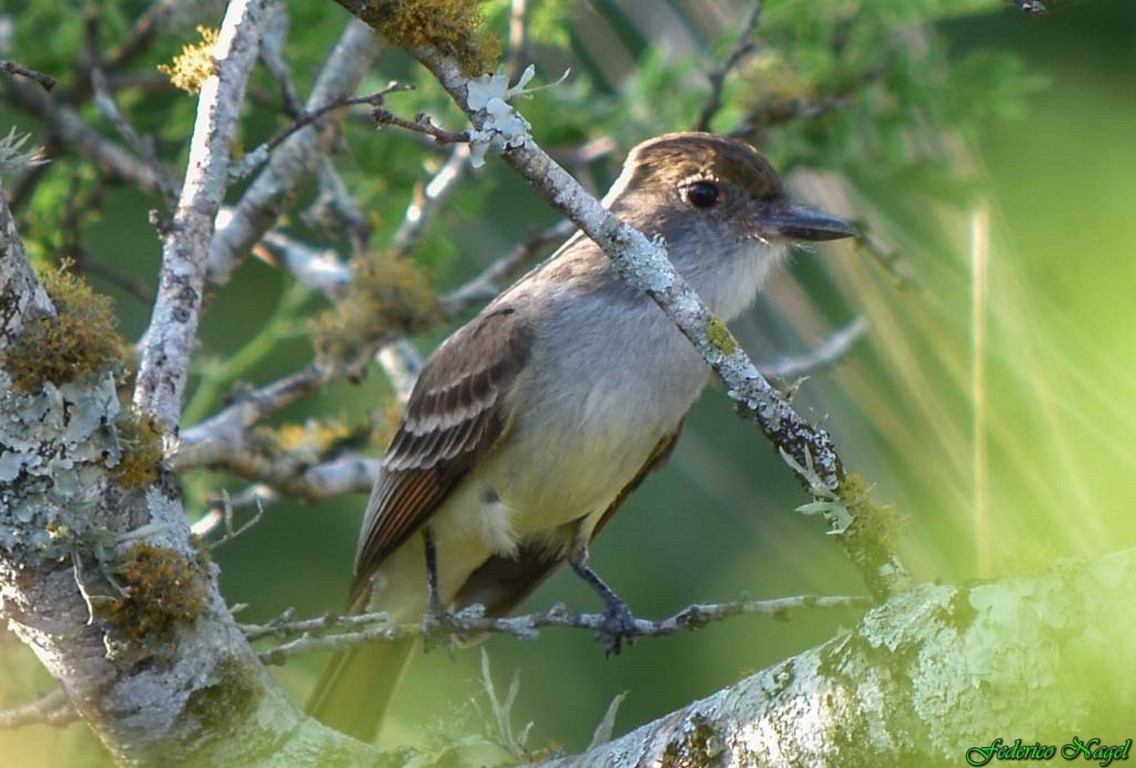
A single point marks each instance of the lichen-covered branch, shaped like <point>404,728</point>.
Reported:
<point>22,298</point>
<point>922,680</point>
<point>339,632</point>
<point>165,350</point>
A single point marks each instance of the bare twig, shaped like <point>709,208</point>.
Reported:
<point>224,433</point>
<point>256,496</point>
<point>74,133</point>
<point>320,270</point>
<point>335,632</point>
<point>165,350</point>
<point>423,124</point>
<point>832,350</point>
<point>260,155</point>
<point>272,56</point>
<point>402,364</point>
<point>52,709</point>
<point>518,38</point>
<point>742,48</point>
<point>491,280</point>
<point>141,35</point>
<point>335,208</point>
<point>47,82</point>
<point>143,147</point>
<point>422,209</point>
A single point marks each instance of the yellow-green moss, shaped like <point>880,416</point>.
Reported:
<point>719,335</point>
<point>80,340</point>
<point>195,64</point>
<point>140,442</point>
<point>875,524</point>
<point>160,590</point>
<point>389,297</point>
<point>452,26</point>
<point>226,703</point>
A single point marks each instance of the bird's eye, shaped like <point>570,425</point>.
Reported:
<point>702,194</point>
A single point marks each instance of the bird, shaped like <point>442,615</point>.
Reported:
<point>530,425</point>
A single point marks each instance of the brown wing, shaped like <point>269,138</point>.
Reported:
<point>503,582</point>
<point>459,409</point>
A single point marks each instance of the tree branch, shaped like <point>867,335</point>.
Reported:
<point>335,632</point>
<point>165,349</point>
<point>296,158</point>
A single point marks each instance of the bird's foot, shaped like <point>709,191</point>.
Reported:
<point>618,627</point>
<point>439,626</point>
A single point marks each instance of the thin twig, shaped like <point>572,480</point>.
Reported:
<point>47,82</point>
<point>52,709</point>
<point>490,281</point>
<point>335,632</point>
<point>833,349</point>
<point>73,132</point>
<point>272,57</point>
<point>422,124</point>
<point>260,155</point>
<point>335,208</point>
<point>141,35</point>
<point>518,38</point>
<point>742,48</point>
<point>143,147</point>
<point>423,208</point>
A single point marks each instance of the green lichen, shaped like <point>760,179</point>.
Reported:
<point>79,341</point>
<point>699,745</point>
<point>718,334</point>
<point>454,27</point>
<point>876,525</point>
<point>140,443</point>
<point>227,702</point>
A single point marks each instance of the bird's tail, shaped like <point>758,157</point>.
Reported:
<point>356,687</point>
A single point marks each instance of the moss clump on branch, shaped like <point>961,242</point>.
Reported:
<point>452,26</point>
<point>195,64</point>
<point>81,339</point>
<point>876,525</point>
<point>389,297</point>
<point>160,589</point>
<point>140,442</point>
<point>227,702</point>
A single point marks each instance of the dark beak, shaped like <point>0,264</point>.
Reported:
<point>796,222</point>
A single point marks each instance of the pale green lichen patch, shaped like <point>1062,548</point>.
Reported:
<point>718,334</point>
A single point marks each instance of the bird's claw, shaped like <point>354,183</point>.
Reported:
<point>618,626</point>
<point>438,626</point>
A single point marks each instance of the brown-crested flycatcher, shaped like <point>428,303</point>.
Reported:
<point>529,426</point>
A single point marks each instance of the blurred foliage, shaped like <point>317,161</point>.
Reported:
<point>988,154</point>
